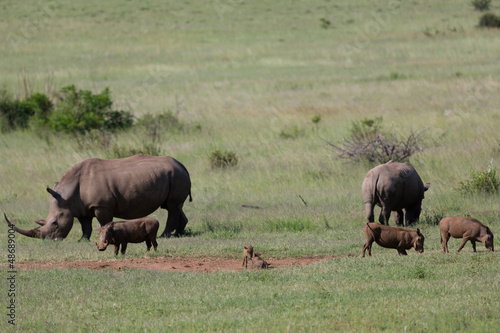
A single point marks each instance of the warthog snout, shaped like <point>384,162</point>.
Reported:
<point>102,246</point>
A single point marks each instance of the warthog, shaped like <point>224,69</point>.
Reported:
<point>124,232</point>
<point>258,262</point>
<point>247,254</point>
<point>397,238</point>
<point>466,228</point>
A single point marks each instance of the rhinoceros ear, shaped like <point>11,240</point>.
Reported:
<point>426,186</point>
<point>56,195</point>
<point>41,222</point>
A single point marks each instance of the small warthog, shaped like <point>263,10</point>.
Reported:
<point>466,228</point>
<point>258,262</point>
<point>397,238</point>
<point>247,254</point>
<point>124,232</point>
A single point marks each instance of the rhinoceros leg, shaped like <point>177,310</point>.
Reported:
<point>398,217</point>
<point>104,216</point>
<point>173,221</point>
<point>182,224</point>
<point>385,214</point>
<point>86,223</point>
<point>124,248</point>
<point>370,217</point>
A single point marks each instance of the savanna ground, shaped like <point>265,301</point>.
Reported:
<point>248,77</point>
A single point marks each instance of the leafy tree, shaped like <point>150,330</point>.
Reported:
<point>81,111</point>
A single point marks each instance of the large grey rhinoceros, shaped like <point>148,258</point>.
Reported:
<point>126,188</point>
<point>395,187</point>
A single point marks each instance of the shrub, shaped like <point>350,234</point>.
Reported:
<point>213,229</point>
<point>223,159</point>
<point>325,23</point>
<point>81,111</point>
<point>41,107</point>
<point>489,20</point>
<point>369,143</point>
<point>156,125</point>
<point>481,5</point>
<point>292,132</point>
<point>396,76</point>
<point>116,120</point>
<point>124,151</point>
<point>366,128</point>
<point>431,218</point>
<point>94,139</point>
<point>15,113</point>
<point>418,271</point>
<point>316,118</point>
<point>481,182</point>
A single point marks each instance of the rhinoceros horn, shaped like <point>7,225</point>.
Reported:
<point>34,233</point>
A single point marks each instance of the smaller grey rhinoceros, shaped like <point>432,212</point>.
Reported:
<point>396,187</point>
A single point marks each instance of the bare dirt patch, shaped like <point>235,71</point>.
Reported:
<point>183,264</point>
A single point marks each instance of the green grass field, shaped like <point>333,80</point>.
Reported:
<point>249,77</point>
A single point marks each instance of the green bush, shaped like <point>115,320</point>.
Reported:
<point>291,132</point>
<point>125,151</point>
<point>212,229</point>
<point>15,113</point>
<point>156,125</point>
<point>489,20</point>
<point>41,107</point>
<point>481,5</point>
<point>316,118</point>
<point>431,218</point>
<point>481,182</point>
<point>223,159</point>
<point>325,23</point>
<point>82,111</point>
<point>366,128</point>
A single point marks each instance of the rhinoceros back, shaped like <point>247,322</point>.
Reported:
<point>130,187</point>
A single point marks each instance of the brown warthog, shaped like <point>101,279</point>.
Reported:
<point>124,232</point>
<point>466,228</point>
<point>258,262</point>
<point>247,254</point>
<point>397,238</point>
